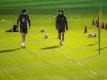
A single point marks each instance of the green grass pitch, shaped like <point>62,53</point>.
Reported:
<point>44,59</point>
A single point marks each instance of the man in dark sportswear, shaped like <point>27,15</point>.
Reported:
<point>24,21</point>
<point>61,25</point>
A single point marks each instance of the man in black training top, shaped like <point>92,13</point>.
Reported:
<point>61,25</point>
<point>24,20</point>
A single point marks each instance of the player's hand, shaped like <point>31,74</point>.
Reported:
<point>67,29</point>
<point>56,27</point>
<point>17,29</point>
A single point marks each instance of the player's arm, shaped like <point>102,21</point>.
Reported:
<point>29,22</point>
<point>18,20</point>
<point>66,23</point>
<point>56,23</point>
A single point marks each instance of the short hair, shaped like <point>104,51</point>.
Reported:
<point>61,10</point>
<point>24,10</point>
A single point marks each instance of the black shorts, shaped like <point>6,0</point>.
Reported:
<point>61,30</point>
<point>23,30</point>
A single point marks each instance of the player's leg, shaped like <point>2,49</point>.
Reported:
<point>63,36</point>
<point>59,35</point>
<point>23,35</point>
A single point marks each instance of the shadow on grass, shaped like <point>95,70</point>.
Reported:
<point>10,50</point>
<point>93,44</point>
<point>103,48</point>
<point>51,47</point>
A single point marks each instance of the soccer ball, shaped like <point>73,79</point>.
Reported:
<point>46,36</point>
<point>90,35</point>
<point>42,30</point>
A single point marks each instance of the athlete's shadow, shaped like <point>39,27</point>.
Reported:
<point>93,44</point>
<point>9,50</point>
<point>103,48</point>
<point>51,47</point>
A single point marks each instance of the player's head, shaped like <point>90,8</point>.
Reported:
<point>24,11</point>
<point>61,12</point>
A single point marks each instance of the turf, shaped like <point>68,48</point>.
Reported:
<point>45,59</point>
<point>50,6</point>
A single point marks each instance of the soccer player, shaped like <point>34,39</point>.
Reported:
<point>24,21</point>
<point>61,25</point>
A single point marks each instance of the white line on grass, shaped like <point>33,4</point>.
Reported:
<point>93,73</point>
<point>73,60</point>
<point>79,64</point>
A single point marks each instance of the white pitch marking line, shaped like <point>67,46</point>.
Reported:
<point>79,64</point>
<point>93,72</point>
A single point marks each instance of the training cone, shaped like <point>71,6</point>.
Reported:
<point>85,30</point>
<point>102,26</point>
<point>106,26</point>
<point>97,23</point>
